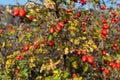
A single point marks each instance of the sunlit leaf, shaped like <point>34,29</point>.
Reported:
<point>74,64</point>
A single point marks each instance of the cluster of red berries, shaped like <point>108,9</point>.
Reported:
<point>83,2</point>
<point>78,14</point>
<point>115,65</point>
<point>115,20</point>
<point>103,7</point>
<point>19,57</point>
<point>104,29</point>
<point>19,12</point>
<point>88,58</point>
<point>104,52</point>
<point>58,27</point>
<point>83,26</point>
<point>115,46</point>
<point>79,52</point>
<point>105,70</point>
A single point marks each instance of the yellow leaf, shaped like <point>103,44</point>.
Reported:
<point>91,49</point>
<point>55,72</point>
<point>21,38</point>
<point>80,78</point>
<point>32,59</point>
<point>8,62</point>
<point>71,40</point>
<point>27,16</point>
<point>32,65</point>
<point>74,64</point>
<point>34,20</point>
<point>76,41</point>
<point>9,44</point>
<point>83,38</point>
<point>38,78</point>
<point>10,56</point>
<point>66,50</point>
<point>3,44</point>
<point>32,11</point>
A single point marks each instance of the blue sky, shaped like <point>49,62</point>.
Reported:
<point>12,1</point>
<point>6,2</point>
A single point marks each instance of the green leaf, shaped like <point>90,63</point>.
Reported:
<point>28,35</point>
<point>0,75</point>
<point>50,37</point>
<point>86,68</point>
<point>66,74</point>
<point>55,34</point>
<point>118,56</point>
<point>107,58</point>
<point>24,72</point>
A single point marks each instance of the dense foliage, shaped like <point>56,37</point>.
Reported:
<point>56,41</point>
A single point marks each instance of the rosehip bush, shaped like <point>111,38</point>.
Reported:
<point>54,40</point>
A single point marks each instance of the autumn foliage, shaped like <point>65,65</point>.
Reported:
<point>55,40</point>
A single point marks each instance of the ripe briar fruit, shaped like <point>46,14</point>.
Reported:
<point>83,2</point>
<point>15,12</point>
<point>68,11</point>
<point>58,28</point>
<point>19,57</point>
<point>52,30</point>
<point>113,13</point>
<point>61,24</point>
<point>26,48</point>
<point>113,65</point>
<point>106,26</point>
<point>78,14</point>
<point>84,52</point>
<point>30,18</point>
<point>106,62</point>
<point>36,46</point>
<point>104,32</point>
<point>75,0</point>
<point>65,21</point>
<point>79,52</point>
<point>103,7</point>
<point>75,17</point>
<point>115,45</point>
<point>28,29</point>
<point>16,72</point>
<point>90,59</point>
<point>102,69</point>
<point>74,75</point>
<point>106,71</point>
<point>112,21</point>
<point>103,36</point>
<point>51,43</point>
<point>84,58</point>
<point>104,21</point>
<point>115,48</point>
<point>116,19</point>
<point>94,64</point>
<point>103,52</point>
<point>118,4</point>
<point>1,31</point>
<point>117,65</point>
<point>22,13</point>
